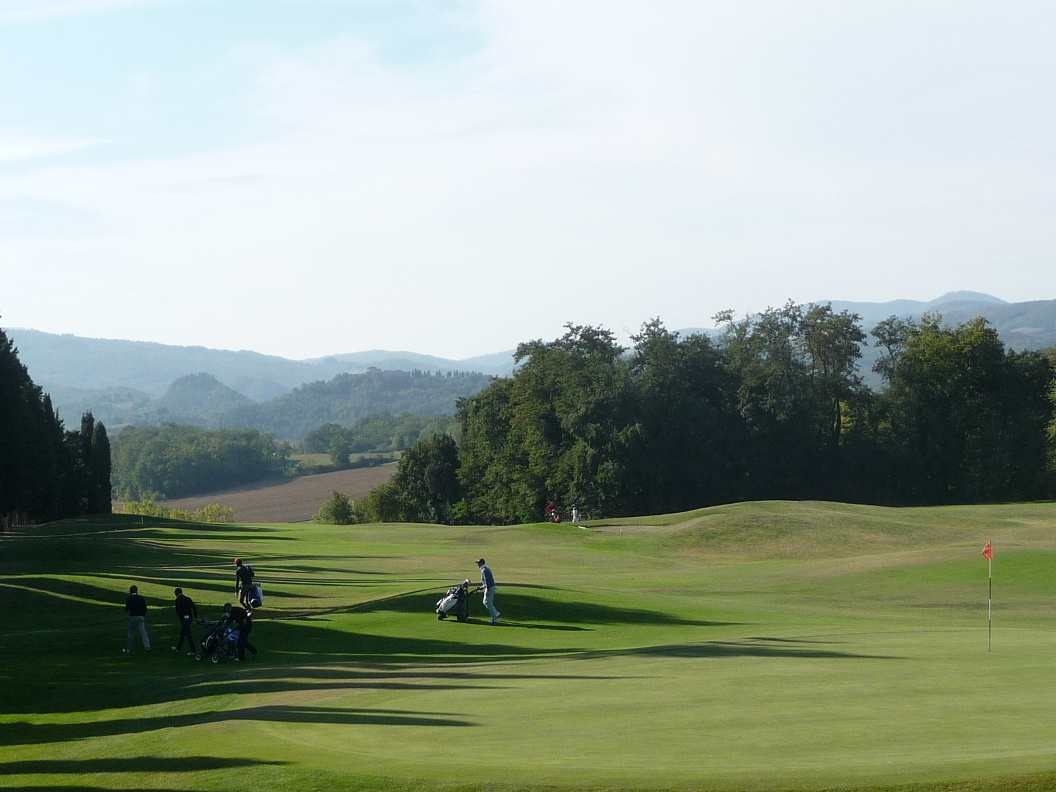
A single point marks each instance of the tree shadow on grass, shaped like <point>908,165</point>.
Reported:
<point>139,764</point>
<point>747,647</point>
<point>145,527</point>
<point>533,610</point>
<point>22,733</point>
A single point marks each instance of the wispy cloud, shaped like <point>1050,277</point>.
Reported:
<point>20,146</point>
<point>513,166</point>
<point>14,11</point>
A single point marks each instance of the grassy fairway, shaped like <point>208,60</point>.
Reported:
<point>754,646</point>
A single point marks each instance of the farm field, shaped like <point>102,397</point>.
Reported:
<point>762,646</point>
<point>293,501</point>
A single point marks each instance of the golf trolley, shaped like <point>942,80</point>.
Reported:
<point>220,640</point>
<point>455,602</point>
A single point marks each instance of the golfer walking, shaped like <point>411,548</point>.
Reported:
<point>487,580</point>
<point>136,606</point>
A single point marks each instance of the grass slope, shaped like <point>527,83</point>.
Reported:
<point>752,646</point>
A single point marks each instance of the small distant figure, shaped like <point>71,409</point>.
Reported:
<point>136,606</point>
<point>186,611</point>
<point>243,582</point>
<point>576,516</point>
<point>487,580</point>
<point>551,512</point>
<point>243,619</point>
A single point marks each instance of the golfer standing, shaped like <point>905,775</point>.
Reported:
<point>487,580</point>
<point>243,582</point>
<point>185,611</point>
<point>136,605</point>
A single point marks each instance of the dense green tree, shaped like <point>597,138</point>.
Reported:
<point>574,414</point>
<point>494,466</point>
<point>424,487</point>
<point>560,429</point>
<point>689,434</point>
<point>45,472</point>
<point>965,418</point>
<point>796,374</point>
<point>339,451</point>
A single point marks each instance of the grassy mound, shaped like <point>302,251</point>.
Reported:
<point>752,646</point>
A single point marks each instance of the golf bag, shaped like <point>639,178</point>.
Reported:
<point>256,596</point>
<point>220,639</point>
<point>456,602</point>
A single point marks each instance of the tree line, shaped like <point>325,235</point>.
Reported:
<point>46,471</point>
<point>177,460</point>
<point>378,433</point>
<point>773,407</point>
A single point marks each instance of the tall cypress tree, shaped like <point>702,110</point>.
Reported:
<point>43,470</point>
<point>99,472</point>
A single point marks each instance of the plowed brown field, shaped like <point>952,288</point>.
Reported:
<point>294,501</point>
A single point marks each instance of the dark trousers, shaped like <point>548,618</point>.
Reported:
<point>185,632</point>
<point>243,640</point>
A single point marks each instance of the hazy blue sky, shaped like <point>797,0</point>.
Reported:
<point>302,177</point>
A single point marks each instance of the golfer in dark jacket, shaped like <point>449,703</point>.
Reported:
<point>243,581</point>
<point>244,619</point>
<point>136,606</point>
<point>186,610</point>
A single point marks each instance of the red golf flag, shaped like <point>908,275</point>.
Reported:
<point>988,551</point>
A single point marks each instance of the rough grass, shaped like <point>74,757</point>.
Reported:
<point>768,646</point>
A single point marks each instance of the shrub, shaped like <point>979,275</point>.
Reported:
<point>338,510</point>
<point>213,513</point>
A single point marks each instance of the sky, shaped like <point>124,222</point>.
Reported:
<point>311,177</point>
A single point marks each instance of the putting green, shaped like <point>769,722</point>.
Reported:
<point>754,646</point>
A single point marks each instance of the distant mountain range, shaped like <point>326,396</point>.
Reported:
<point>119,378</point>
<point>1022,326</point>
<point>146,383</point>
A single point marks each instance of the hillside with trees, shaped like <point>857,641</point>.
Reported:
<point>46,471</point>
<point>772,408</point>
<point>348,398</point>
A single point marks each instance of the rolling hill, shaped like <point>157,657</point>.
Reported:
<point>767,646</point>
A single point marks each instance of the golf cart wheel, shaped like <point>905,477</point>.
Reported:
<point>198,655</point>
<point>215,656</point>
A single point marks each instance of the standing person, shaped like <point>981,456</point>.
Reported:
<point>488,581</point>
<point>243,582</point>
<point>185,611</point>
<point>136,606</point>
<point>244,619</point>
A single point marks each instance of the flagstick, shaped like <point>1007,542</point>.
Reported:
<point>989,603</point>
